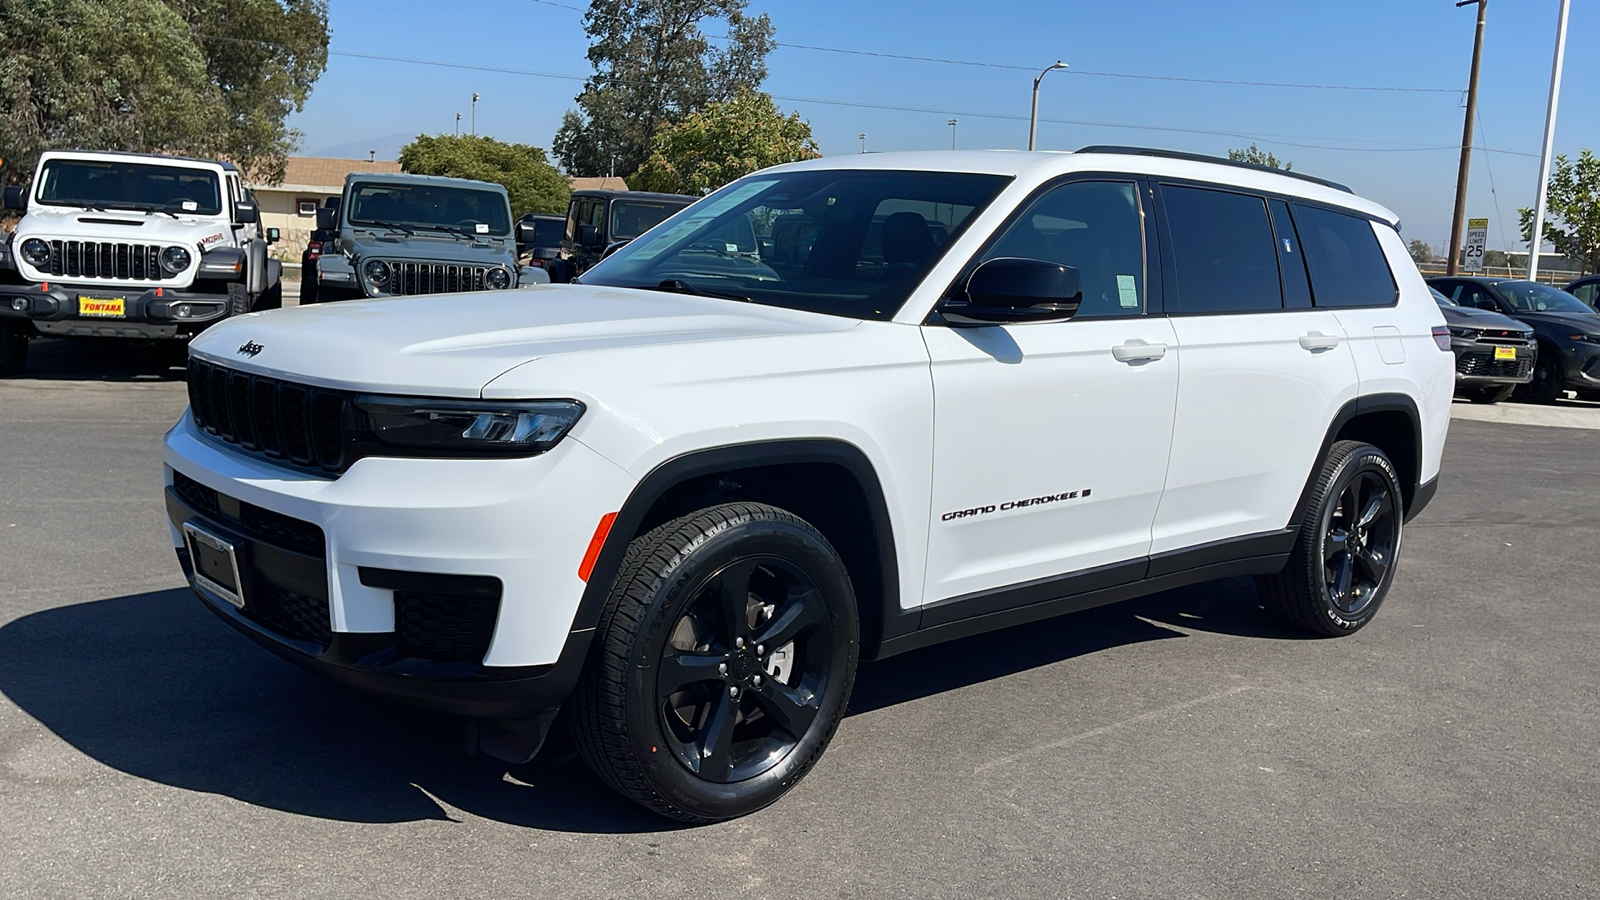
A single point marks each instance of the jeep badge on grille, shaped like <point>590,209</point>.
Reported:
<point>250,348</point>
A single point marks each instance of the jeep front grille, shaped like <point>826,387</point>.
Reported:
<point>111,261</point>
<point>283,421</point>
<point>434,278</point>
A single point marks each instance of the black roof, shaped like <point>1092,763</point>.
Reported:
<point>632,195</point>
<point>1218,160</point>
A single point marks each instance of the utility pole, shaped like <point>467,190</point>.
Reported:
<point>1452,256</point>
<point>458,124</point>
<point>952,124</point>
<point>863,138</point>
<point>474,115</point>
<point>1549,144</point>
<point>1033,118</point>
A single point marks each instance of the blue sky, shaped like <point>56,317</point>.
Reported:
<point>1399,148</point>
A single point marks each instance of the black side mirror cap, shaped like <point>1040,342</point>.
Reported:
<point>327,218</point>
<point>273,235</point>
<point>525,233</point>
<point>588,235</point>
<point>16,197</point>
<point>246,213</point>
<point>614,246</point>
<point>1012,289</point>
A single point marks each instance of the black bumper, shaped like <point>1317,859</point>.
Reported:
<point>148,313</point>
<point>368,661</point>
<point>1477,367</point>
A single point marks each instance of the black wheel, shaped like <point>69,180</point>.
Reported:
<point>1493,394</point>
<point>271,298</point>
<point>308,288</point>
<point>238,299</point>
<point>1546,385</point>
<point>13,348</point>
<point>1344,559</point>
<point>723,663</point>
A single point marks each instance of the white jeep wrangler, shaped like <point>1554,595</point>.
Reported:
<point>130,245</point>
<point>946,393</point>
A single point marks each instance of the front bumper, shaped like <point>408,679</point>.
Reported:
<point>1583,365</point>
<point>1476,365</point>
<point>451,584</point>
<point>149,313</point>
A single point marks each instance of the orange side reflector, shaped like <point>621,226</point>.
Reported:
<point>586,568</point>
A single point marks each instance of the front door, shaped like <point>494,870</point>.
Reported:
<point>1052,438</point>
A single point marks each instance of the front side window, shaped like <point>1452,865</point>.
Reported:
<point>1223,251</point>
<point>1526,296</point>
<point>1094,227</point>
<point>843,242</point>
<point>430,207</point>
<point>631,218</point>
<point>1588,293</point>
<point>1347,265</point>
<point>129,185</point>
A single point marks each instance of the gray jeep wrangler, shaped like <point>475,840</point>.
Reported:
<point>398,235</point>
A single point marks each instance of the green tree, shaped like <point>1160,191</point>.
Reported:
<point>534,184</point>
<point>653,66</point>
<point>1572,223</point>
<point>1421,252</point>
<point>213,78</point>
<point>1260,157</point>
<point>724,141</point>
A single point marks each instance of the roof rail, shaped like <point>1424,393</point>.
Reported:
<point>1201,157</point>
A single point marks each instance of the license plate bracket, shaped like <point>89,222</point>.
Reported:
<point>216,564</point>
<point>102,307</point>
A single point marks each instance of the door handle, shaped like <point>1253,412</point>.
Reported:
<point>1137,351</point>
<point>1317,342</point>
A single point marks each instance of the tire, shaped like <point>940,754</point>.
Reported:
<point>271,298</point>
<point>13,349</point>
<point>652,702</point>
<point>308,289</point>
<point>1357,483</point>
<point>238,299</point>
<point>1488,395</point>
<point>1546,386</point>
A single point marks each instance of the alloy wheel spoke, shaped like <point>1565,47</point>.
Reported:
<point>679,670</point>
<point>1342,576</point>
<point>799,615</point>
<point>793,711</point>
<point>1375,562</point>
<point>1338,542</point>
<point>716,739</point>
<point>1378,506</point>
<point>733,598</point>
<point>1350,504</point>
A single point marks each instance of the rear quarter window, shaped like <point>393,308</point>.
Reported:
<point>1347,266</point>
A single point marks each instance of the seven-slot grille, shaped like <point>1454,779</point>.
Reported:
<point>112,261</point>
<point>434,278</point>
<point>282,420</point>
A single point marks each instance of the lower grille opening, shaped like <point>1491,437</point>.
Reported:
<point>444,627</point>
<point>296,615</point>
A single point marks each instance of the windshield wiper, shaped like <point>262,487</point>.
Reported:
<point>679,286</point>
<point>392,226</point>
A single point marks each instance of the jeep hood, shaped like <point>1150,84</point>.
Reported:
<point>122,225</point>
<point>431,246</point>
<point>452,345</point>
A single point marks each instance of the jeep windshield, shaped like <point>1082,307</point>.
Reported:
<point>430,207</point>
<point>146,187</point>
<point>843,242</point>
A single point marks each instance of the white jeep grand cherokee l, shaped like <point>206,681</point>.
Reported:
<point>835,411</point>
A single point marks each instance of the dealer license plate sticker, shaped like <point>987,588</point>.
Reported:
<point>216,564</point>
<point>1505,353</point>
<point>106,307</point>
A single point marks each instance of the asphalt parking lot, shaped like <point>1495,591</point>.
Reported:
<point>1177,746</point>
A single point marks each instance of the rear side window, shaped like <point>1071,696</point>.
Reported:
<point>1224,258</point>
<point>1347,266</point>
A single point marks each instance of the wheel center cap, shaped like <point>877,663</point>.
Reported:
<point>742,665</point>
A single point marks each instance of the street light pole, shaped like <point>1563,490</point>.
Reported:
<point>1033,118</point>
<point>863,138</point>
<point>1549,145</point>
<point>952,124</point>
<point>458,124</point>
<point>474,115</point>
<point>1452,265</point>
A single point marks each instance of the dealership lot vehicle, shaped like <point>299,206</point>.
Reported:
<point>598,221</point>
<point>745,481</point>
<point>1567,330</point>
<point>541,246</point>
<point>402,235</point>
<point>131,246</point>
<point>1494,353</point>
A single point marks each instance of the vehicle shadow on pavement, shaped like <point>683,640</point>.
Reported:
<point>152,685</point>
<point>93,359</point>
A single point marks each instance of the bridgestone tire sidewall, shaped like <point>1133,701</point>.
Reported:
<point>703,557</point>
<point>1365,459</point>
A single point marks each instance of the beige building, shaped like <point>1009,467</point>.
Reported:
<point>291,207</point>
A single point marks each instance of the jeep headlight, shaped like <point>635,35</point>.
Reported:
<point>469,427</point>
<point>377,273</point>
<point>497,279</point>
<point>36,252</point>
<point>175,259</point>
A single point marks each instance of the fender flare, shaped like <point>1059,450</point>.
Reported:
<point>1370,403</point>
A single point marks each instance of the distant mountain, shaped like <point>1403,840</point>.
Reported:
<point>387,147</point>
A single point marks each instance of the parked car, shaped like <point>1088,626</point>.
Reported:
<point>681,499</point>
<point>313,252</point>
<point>1494,354</point>
<point>1567,331</point>
<point>1586,289</point>
<point>401,235</point>
<point>598,222</point>
<point>544,244</point>
<point>130,246</point>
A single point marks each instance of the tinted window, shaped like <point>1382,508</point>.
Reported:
<point>1526,296</point>
<point>1587,292</point>
<point>1347,265</point>
<point>129,185</point>
<point>838,241</point>
<point>1222,250</point>
<point>432,207</point>
<point>631,218</point>
<point>1096,228</point>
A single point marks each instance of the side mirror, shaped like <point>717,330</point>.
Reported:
<point>273,235</point>
<point>588,235</point>
<point>327,218</point>
<point>613,247</point>
<point>1486,303</point>
<point>525,233</point>
<point>16,197</point>
<point>246,213</point>
<point>1010,289</point>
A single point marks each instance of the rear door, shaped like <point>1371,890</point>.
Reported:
<point>1263,371</point>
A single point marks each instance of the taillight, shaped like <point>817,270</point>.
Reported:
<point>1441,336</point>
<point>314,249</point>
